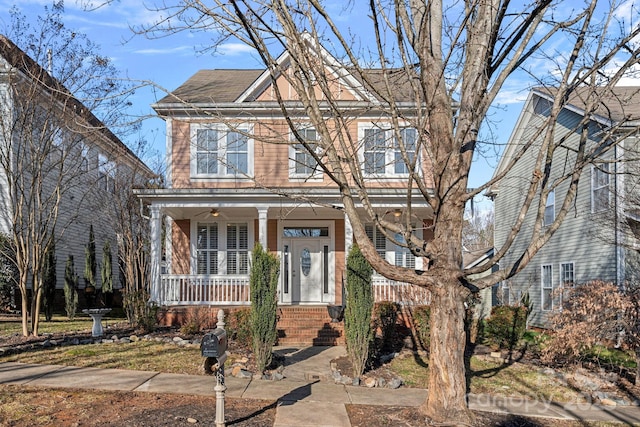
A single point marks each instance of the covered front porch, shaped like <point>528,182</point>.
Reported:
<point>205,256</point>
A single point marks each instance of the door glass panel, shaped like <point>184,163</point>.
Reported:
<point>305,261</point>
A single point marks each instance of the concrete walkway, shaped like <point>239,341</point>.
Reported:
<point>301,396</point>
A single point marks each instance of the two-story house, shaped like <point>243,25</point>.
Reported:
<point>594,241</point>
<point>237,176</point>
<point>60,166</point>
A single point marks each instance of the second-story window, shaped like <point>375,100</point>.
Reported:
<point>301,163</point>
<point>382,150</point>
<point>106,174</point>
<point>550,208</point>
<point>218,151</point>
<point>600,187</point>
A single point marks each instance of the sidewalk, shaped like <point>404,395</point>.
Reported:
<point>301,396</point>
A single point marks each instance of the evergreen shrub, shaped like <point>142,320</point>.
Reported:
<point>264,304</point>
<point>358,310</point>
<point>421,316</point>
<point>506,326</point>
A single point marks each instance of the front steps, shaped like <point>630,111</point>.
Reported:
<point>308,325</point>
<point>297,325</point>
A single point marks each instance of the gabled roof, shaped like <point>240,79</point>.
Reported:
<point>238,86</point>
<point>31,70</point>
<point>616,104</point>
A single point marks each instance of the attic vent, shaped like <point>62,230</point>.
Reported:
<point>542,107</point>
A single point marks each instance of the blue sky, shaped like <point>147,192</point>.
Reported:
<point>169,61</point>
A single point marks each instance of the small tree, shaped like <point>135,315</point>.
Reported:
<point>70,288</point>
<point>357,315</point>
<point>106,273</point>
<point>90,260</point>
<point>8,273</point>
<point>49,283</point>
<point>264,303</point>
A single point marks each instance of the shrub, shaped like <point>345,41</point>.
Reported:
<point>70,288</point>
<point>421,316</point>
<point>106,274</point>
<point>385,317</point>
<point>8,273</point>
<point>264,304</point>
<point>140,313</point>
<point>506,326</point>
<point>239,327</point>
<point>592,313</point>
<point>357,315</point>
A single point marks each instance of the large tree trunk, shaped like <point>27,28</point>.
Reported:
<point>447,400</point>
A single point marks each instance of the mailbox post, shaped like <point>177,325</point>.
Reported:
<point>214,348</point>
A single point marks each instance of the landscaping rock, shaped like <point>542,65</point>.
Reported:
<point>394,383</point>
<point>370,382</point>
<point>134,338</point>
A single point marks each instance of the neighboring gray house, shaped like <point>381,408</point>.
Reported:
<point>52,144</point>
<point>595,240</point>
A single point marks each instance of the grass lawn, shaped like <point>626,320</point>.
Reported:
<point>58,324</point>
<point>487,375</point>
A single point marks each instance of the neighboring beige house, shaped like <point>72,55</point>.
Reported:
<point>595,240</point>
<point>76,156</point>
<point>235,178</point>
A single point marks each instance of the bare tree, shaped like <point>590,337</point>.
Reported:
<point>478,231</point>
<point>454,60</point>
<point>52,82</point>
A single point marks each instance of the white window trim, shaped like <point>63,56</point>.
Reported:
<point>543,288</point>
<point>547,205</point>
<point>561,269</point>
<point>594,208</point>
<point>317,175</point>
<point>222,244</point>
<point>389,157</point>
<point>107,169</point>
<point>244,128</point>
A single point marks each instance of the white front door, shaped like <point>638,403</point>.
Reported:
<point>307,270</point>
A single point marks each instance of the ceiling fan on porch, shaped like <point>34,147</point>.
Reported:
<point>212,213</point>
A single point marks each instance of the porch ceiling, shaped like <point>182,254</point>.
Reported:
<point>244,203</point>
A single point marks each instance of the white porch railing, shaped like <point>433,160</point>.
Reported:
<point>400,292</point>
<point>191,289</point>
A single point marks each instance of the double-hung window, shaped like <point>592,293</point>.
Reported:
<point>106,174</point>
<point>408,140</point>
<point>219,151</point>
<point>547,287</point>
<point>382,150</point>
<point>302,164</point>
<point>550,208</point>
<point>567,278</point>
<point>600,187</point>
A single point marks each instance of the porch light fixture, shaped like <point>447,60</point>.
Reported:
<point>397,213</point>
<point>215,212</point>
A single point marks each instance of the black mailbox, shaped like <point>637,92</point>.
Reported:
<point>214,344</point>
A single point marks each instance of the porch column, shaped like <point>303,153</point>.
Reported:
<point>155,225</point>
<point>262,227</point>
<point>348,237</point>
